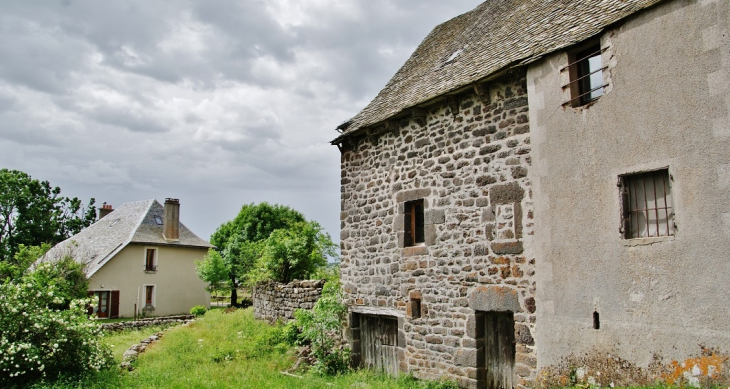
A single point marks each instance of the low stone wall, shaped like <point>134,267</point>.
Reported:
<point>273,301</point>
<point>122,325</point>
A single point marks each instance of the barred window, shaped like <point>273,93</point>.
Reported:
<point>647,205</point>
<point>585,70</point>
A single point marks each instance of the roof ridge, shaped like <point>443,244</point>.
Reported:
<point>128,240</point>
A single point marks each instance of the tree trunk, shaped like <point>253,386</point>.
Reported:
<point>234,292</point>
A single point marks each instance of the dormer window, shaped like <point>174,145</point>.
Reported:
<point>158,220</point>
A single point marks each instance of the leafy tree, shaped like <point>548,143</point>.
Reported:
<point>296,252</point>
<point>32,213</point>
<point>214,271</point>
<point>239,243</point>
<point>16,267</point>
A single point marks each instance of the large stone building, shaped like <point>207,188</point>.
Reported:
<point>543,179</point>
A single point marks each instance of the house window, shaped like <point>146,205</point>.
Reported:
<point>150,262</point>
<point>104,303</point>
<point>647,205</point>
<point>413,223</point>
<point>101,304</point>
<point>149,296</point>
<point>586,76</point>
<point>415,308</point>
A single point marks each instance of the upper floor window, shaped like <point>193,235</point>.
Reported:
<point>150,263</point>
<point>647,205</point>
<point>413,223</point>
<point>586,76</point>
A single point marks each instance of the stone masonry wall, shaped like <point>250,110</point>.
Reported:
<point>273,301</point>
<point>468,158</point>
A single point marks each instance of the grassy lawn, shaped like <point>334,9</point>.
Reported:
<point>221,350</point>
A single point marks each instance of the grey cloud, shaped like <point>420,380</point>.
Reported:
<point>126,118</point>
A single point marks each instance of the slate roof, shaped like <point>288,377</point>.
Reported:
<point>131,223</point>
<point>494,36</point>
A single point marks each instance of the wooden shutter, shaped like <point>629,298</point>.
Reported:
<point>418,221</point>
<point>90,307</point>
<point>114,309</point>
<point>408,224</point>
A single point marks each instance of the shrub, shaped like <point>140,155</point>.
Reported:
<point>322,329</point>
<point>198,310</point>
<point>44,330</point>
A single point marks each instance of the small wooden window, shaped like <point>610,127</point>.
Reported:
<point>150,260</point>
<point>149,295</point>
<point>586,76</point>
<point>647,205</point>
<point>413,222</point>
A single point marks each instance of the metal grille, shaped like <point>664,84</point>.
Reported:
<point>647,203</point>
<point>586,77</point>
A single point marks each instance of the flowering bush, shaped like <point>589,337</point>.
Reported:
<point>44,330</point>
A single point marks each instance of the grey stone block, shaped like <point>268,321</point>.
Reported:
<point>494,298</point>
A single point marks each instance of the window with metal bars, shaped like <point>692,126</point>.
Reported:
<point>585,70</point>
<point>647,205</point>
<point>413,223</point>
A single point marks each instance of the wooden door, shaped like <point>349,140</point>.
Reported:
<point>114,307</point>
<point>379,343</point>
<point>499,346</point>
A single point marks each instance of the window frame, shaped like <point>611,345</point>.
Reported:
<point>150,296</point>
<point>153,267</point>
<point>414,223</point>
<point>630,212</point>
<point>579,74</point>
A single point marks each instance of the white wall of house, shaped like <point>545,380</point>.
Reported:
<point>177,287</point>
<point>667,105</point>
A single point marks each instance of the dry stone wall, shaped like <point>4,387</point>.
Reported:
<point>273,301</point>
<point>468,158</point>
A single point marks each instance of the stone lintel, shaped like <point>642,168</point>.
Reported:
<point>494,298</point>
<point>413,194</point>
<point>506,194</point>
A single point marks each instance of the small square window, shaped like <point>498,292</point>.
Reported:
<point>413,223</point>
<point>647,205</point>
<point>586,76</point>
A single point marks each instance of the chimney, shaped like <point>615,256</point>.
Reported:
<point>105,210</point>
<point>171,222</point>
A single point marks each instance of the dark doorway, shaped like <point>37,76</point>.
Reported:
<point>499,350</point>
<point>379,343</point>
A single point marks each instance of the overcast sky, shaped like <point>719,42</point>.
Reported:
<point>217,103</point>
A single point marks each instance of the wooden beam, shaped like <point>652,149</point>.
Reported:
<point>482,91</point>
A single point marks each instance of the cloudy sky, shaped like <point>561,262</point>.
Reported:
<point>217,103</point>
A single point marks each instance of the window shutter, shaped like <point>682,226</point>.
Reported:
<point>114,311</point>
<point>90,307</point>
<point>407,223</point>
<point>419,222</point>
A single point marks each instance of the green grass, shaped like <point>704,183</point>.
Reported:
<point>221,350</point>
